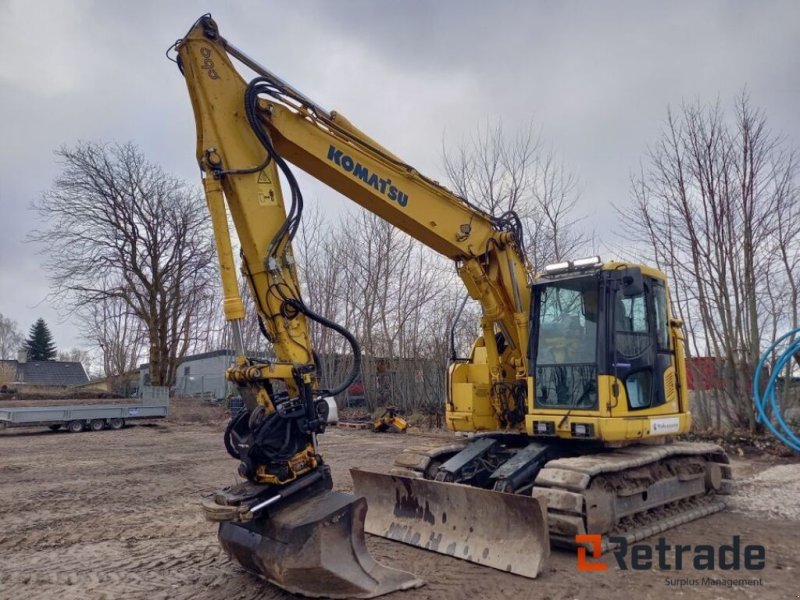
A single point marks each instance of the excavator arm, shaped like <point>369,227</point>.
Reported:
<point>247,133</point>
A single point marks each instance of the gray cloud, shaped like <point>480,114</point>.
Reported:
<point>597,77</point>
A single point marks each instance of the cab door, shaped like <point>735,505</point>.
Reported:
<point>639,352</point>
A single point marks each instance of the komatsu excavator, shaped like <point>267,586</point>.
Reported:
<point>568,402</point>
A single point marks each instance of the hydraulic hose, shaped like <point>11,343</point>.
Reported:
<point>292,306</point>
<point>355,368</point>
<point>767,408</point>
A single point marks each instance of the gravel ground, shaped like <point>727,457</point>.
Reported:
<point>771,493</point>
<point>114,515</point>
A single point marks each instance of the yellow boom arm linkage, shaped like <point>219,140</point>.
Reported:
<point>238,173</point>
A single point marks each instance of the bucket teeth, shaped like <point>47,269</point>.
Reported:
<point>315,548</point>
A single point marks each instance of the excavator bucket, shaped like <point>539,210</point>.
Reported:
<point>314,548</point>
<point>505,531</point>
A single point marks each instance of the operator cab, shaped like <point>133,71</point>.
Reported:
<point>590,319</point>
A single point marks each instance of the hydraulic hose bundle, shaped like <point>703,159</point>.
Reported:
<point>767,408</point>
<point>292,304</point>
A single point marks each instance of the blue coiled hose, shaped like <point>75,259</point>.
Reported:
<point>767,401</point>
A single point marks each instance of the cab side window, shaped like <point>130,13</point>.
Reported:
<point>632,318</point>
<point>639,387</point>
<point>661,315</point>
<point>634,347</point>
<point>631,326</point>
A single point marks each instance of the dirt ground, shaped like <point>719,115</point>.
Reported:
<point>114,515</point>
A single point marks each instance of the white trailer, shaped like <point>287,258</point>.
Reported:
<point>92,417</point>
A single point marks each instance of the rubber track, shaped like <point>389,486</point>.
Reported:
<point>590,469</point>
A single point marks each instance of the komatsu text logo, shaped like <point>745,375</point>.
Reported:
<point>382,186</point>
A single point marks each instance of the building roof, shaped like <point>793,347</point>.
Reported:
<point>51,372</point>
<point>201,356</point>
<point>212,354</point>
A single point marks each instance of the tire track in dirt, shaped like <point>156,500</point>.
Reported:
<point>115,516</point>
<point>93,526</point>
<point>130,530</point>
<point>181,569</point>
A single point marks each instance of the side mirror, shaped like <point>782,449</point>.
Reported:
<point>632,282</point>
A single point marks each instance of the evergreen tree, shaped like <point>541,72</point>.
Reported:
<point>40,345</point>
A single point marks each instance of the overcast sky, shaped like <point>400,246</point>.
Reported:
<point>597,77</point>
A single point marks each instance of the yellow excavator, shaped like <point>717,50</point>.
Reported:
<point>568,403</point>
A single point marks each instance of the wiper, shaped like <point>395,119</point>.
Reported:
<point>588,388</point>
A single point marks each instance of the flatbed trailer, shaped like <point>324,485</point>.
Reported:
<point>80,417</point>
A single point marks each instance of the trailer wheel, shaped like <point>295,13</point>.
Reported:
<point>75,426</point>
<point>54,427</point>
<point>96,424</point>
<point>116,423</point>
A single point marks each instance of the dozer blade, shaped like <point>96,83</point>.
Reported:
<point>505,531</point>
<point>315,548</point>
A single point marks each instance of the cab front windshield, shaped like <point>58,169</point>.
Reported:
<point>566,353</point>
<point>568,322</point>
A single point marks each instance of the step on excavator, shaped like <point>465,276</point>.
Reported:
<point>568,403</point>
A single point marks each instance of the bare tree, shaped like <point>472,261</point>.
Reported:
<point>319,252</point>
<point>716,207</point>
<point>555,233</point>
<point>118,227</point>
<point>390,291</point>
<point>493,170</point>
<point>109,325</point>
<point>393,281</point>
<point>498,173</point>
<point>11,340</point>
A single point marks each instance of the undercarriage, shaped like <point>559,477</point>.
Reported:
<point>632,492</point>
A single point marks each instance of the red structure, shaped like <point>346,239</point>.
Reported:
<point>704,373</point>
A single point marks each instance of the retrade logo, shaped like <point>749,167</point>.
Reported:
<point>595,540</point>
<point>666,557</point>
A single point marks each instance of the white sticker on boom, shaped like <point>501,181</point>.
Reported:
<point>665,425</point>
